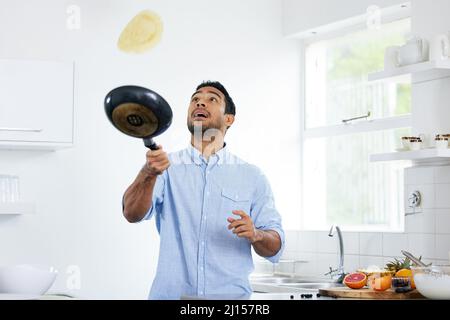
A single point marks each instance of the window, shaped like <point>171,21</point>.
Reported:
<point>340,185</point>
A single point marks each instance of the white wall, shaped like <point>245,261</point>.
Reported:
<point>430,104</point>
<point>302,15</point>
<point>78,191</point>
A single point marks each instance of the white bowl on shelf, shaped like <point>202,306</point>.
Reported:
<point>26,279</point>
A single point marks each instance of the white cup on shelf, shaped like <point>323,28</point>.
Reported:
<point>440,47</point>
<point>441,143</point>
<point>413,51</point>
<point>391,58</point>
<point>416,144</point>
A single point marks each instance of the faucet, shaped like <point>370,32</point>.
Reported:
<point>340,270</point>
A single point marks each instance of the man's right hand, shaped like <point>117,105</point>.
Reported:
<point>157,162</point>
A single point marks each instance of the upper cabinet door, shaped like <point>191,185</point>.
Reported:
<point>36,101</point>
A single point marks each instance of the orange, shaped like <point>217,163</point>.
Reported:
<point>380,283</point>
<point>407,273</point>
<point>355,280</point>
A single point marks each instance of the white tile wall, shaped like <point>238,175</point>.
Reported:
<point>442,195</point>
<point>324,261</point>
<point>285,267</point>
<point>292,240</point>
<point>306,268</point>
<point>418,175</point>
<point>366,261</point>
<point>424,222</point>
<point>290,255</point>
<point>394,243</point>
<point>307,242</point>
<point>371,243</point>
<point>442,174</point>
<point>442,246</point>
<point>427,233</point>
<point>351,263</point>
<point>326,244</point>
<point>422,244</point>
<point>351,243</point>
<point>262,265</point>
<point>440,262</point>
<point>442,218</point>
<point>388,259</point>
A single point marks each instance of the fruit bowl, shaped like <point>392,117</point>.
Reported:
<point>26,279</point>
<point>433,282</point>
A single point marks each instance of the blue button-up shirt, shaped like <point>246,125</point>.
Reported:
<point>191,202</point>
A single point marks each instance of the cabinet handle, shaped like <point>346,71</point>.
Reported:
<point>20,129</point>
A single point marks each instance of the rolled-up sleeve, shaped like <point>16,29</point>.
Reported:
<point>157,200</point>
<point>265,215</point>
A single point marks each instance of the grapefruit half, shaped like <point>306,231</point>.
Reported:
<point>355,280</point>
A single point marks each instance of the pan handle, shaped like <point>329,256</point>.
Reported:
<point>149,143</point>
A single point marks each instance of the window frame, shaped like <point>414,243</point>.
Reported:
<point>371,125</point>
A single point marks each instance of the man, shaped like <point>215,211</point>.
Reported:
<point>210,207</point>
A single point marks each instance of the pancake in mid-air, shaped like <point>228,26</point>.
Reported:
<point>142,33</point>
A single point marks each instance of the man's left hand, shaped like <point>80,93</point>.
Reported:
<point>243,227</point>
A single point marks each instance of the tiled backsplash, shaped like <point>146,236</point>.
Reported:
<point>427,233</point>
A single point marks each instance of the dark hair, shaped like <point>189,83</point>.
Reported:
<point>230,108</point>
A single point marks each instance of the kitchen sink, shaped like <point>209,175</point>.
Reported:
<point>322,285</point>
<point>288,280</point>
<point>291,284</point>
<point>280,280</point>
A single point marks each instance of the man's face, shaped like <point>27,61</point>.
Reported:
<point>207,111</point>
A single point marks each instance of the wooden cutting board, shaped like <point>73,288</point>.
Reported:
<point>366,293</point>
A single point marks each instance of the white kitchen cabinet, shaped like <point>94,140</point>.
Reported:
<point>36,104</point>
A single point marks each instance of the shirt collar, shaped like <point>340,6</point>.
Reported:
<point>198,158</point>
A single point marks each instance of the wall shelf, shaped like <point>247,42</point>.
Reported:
<point>424,71</point>
<point>34,146</point>
<point>431,155</point>
<point>16,208</point>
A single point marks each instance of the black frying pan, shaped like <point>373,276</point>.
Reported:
<point>138,112</point>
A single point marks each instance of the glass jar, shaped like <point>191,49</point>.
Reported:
<point>401,284</point>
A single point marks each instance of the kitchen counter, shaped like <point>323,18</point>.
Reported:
<point>263,289</point>
<point>297,287</point>
<point>56,297</point>
<point>261,296</point>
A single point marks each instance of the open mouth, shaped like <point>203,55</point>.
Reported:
<point>200,114</point>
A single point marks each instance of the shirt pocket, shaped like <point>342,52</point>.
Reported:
<point>230,199</point>
<point>233,199</point>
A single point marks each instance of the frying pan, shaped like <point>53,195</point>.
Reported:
<point>138,112</point>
